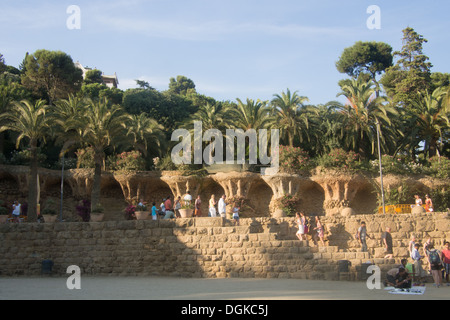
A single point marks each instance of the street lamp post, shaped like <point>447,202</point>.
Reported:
<point>381,168</point>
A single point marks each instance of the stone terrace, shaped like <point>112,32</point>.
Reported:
<point>207,247</point>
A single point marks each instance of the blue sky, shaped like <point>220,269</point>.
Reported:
<point>230,49</point>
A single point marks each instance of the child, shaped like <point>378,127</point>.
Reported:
<point>236,214</point>
<point>154,211</point>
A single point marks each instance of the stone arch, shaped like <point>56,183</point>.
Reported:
<point>154,190</point>
<point>365,200</point>
<point>259,197</point>
<point>312,198</point>
<point>9,184</point>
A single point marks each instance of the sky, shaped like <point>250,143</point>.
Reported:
<point>230,48</point>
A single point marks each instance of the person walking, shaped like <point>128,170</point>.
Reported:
<point>361,235</point>
<point>434,259</point>
<point>320,231</point>
<point>387,243</point>
<point>301,222</point>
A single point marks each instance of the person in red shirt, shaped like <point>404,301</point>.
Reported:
<point>168,204</point>
<point>446,260</point>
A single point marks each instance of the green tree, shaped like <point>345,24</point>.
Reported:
<point>359,118</point>
<point>93,76</point>
<point>290,117</point>
<point>365,58</point>
<point>31,122</point>
<point>181,85</point>
<point>411,73</point>
<point>251,115</point>
<point>100,126</point>
<point>432,120</point>
<point>147,134</point>
<point>51,75</point>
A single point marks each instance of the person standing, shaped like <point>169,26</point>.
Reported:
<point>177,207</point>
<point>154,211</point>
<point>212,207</point>
<point>236,214</point>
<point>418,200</point>
<point>361,235</point>
<point>222,207</point>
<point>446,260</point>
<point>197,207</point>
<point>428,204</point>
<point>16,211</point>
<point>419,273</point>
<point>434,259</point>
<point>411,244</point>
<point>387,242</point>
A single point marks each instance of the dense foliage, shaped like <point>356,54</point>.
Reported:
<point>48,111</point>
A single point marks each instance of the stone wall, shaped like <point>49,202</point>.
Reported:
<point>207,247</point>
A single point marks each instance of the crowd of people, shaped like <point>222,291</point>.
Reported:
<point>169,210</point>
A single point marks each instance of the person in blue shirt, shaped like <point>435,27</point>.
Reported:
<point>154,212</point>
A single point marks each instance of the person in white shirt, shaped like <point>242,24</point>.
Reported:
<point>222,207</point>
<point>16,211</point>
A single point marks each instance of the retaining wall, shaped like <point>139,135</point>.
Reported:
<point>208,247</point>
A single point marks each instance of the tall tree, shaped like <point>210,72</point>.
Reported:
<point>365,58</point>
<point>51,75</point>
<point>411,73</point>
<point>360,117</point>
<point>31,122</point>
<point>432,120</point>
<point>291,120</point>
<point>181,85</point>
<point>101,125</point>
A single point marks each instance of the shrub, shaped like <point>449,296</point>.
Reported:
<point>129,212</point>
<point>23,157</point>
<point>293,159</point>
<point>85,158</point>
<point>127,161</point>
<point>439,167</point>
<point>340,159</point>
<point>288,204</point>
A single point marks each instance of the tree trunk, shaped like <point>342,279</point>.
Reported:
<point>95,193</point>
<point>32,184</point>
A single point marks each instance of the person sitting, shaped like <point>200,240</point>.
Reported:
<point>403,279</point>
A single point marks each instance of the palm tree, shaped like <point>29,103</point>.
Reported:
<point>291,120</point>
<point>361,115</point>
<point>251,115</point>
<point>432,119</point>
<point>31,122</point>
<point>100,126</point>
<point>146,133</point>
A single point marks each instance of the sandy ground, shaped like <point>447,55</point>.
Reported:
<point>149,288</point>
